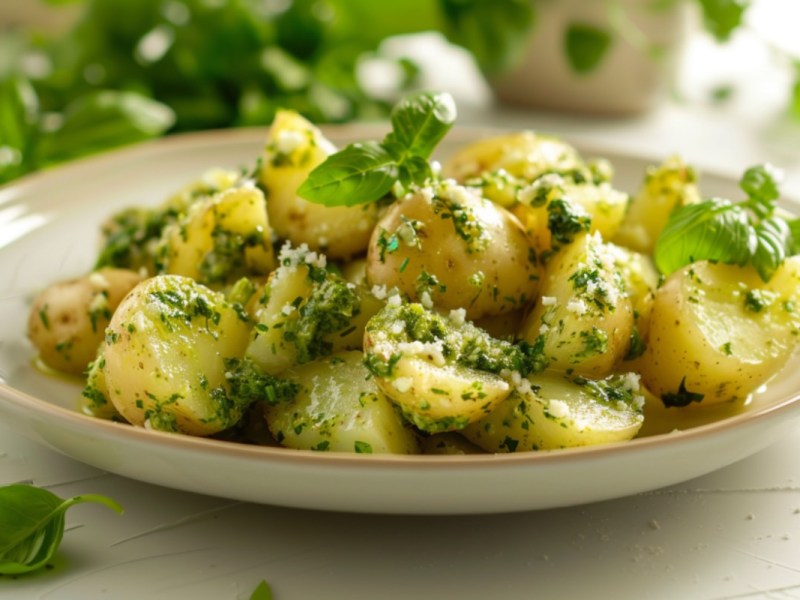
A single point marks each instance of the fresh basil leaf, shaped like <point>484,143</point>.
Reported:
<point>760,183</point>
<point>585,46</point>
<point>682,397</point>
<point>723,17</point>
<point>794,228</point>
<point>357,174</point>
<point>262,592</point>
<point>419,122</point>
<point>414,171</point>
<point>774,242</point>
<point>496,33</point>
<point>712,230</point>
<point>32,525</point>
<point>103,120</point>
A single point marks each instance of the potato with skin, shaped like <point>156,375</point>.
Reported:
<point>339,408</point>
<point>304,313</point>
<point>717,332</point>
<point>640,278</point>
<point>68,320</point>
<point>552,412</point>
<point>523,154</point>
<point>583,319</point>
<point>165,352</point>
<point>222,238</point>
<point>452,249</point>
<point>443,372</point>
<point>554,210</point>
<point>293,149</point>
<point>666,187</point>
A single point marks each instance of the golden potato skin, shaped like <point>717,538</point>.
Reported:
<point>67,321</point>
<point>717,332</point>
<point>583,318</point>
<point>453,249</point>
<point>293,149</point>
<point>665,187</point>
<point>523,154</point>
<point>165,352</point>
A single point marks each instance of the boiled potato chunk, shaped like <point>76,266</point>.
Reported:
<point>131,237</point>
<point>640,278</point>
<point>94,396</point>
<point>554,210</point>
<point>442,397</point>
<point>305,313</point>
<point>443,372</point>
<point>583,319</point>
<point>717,332</point>
<point>524,154</point>
<point>666,187</point>
<point>165,352</point>
<point>452,249</point>
<point>67,321</point>
<point>556,412</point>
<point>294,148</point>
<point>340,409</point>
<point>221,239</point>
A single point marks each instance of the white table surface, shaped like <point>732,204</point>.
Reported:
<point>732,534</point>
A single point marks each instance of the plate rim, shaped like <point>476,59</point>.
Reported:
<point>38,408</point>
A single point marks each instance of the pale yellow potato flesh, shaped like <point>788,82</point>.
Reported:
<point>584,327</point>
<point>165,352</point>
<point>293,149</point>
<point>556,413</point>
<point>340,409</point>
<point>705,346</point>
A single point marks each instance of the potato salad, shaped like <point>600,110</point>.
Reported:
<point>372,300</point>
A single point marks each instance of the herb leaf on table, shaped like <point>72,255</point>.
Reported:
<point>32,525</point>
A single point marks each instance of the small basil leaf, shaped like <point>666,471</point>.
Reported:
<point>682,397</point>
<point>773,243</point>
<point>760,183</point>
<point>794,228</point>
<point>585,46</point>
<point>357,174</point>
<point>711,230</point>
<point>415,171</point>
<point>32,525</point>
<point>419,122</point>
<point>104,120</point>
<point>262,592</point>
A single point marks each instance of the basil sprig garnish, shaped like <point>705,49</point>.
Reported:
<point>751,231</point>
<point>32,525</point>
<point>367,171</point>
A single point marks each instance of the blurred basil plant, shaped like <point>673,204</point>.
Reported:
<point>130,70</point>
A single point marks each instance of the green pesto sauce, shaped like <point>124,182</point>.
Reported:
<point>609,391</point>
<point>465,344</point>
<point>328,311</point>
<point>565,222</point>
<point>226,259</point>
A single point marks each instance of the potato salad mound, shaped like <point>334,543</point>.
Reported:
<point>371,300</point>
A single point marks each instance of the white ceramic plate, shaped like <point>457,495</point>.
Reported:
<point>48,231</point>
